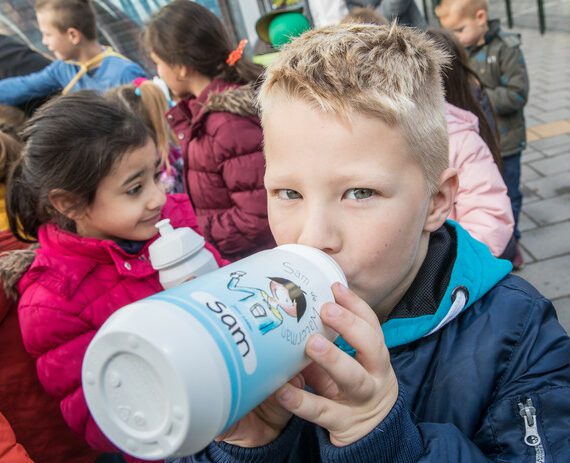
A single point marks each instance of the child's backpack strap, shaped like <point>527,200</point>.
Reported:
<point>87,65</point>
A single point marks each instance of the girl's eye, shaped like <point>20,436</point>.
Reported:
<point>157,175</point>
<point>288,194</point>
<point>135,190</point>
<point>359,193</point>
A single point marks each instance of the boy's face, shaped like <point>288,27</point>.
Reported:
<point>469,30</point>
<point>352,191</point>
<point>59,43</point>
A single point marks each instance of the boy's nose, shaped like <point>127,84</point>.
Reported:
<point>319,230</point>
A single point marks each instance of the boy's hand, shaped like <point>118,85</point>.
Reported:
<point>263,424</point>
<point>352,395</point>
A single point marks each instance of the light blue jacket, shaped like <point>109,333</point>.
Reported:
<point>112,72</point>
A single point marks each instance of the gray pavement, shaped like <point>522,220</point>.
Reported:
<point>545,218</point>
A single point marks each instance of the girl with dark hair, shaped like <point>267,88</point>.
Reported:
<point>216,124</point>
<point>87,190</point>
<point>464,90</point>
<point>481,204</point>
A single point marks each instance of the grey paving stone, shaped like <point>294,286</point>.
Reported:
<point>551,166</point>
<point>528,258</point>
<point>525,222</point>
<point>558,114</point>
<point>529,196</point>
<point>562,307</point>
<point>556,150</point>
<point>550,186</point>
<point>551,277</point>
<point>545,143</point>
<point>528,172</point>
<point>548,241</point>
<point>531,155</point>
<point>548,211</point>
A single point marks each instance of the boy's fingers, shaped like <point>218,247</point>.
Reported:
<point>349,376</point>
<point>308,406</point>
<point>367,339</point>
<point>352,302</point>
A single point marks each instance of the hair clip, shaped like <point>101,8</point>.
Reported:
<point>236,54</point>
<point>138,91</point>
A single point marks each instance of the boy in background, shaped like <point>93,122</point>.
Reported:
<point>445,357</point>
<point>497,59</point>
<point>69,31</point>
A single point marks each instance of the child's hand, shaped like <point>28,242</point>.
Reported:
<point>263,424</point>
<point>352,395</point>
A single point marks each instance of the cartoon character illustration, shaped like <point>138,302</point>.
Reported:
<point>267,308</point>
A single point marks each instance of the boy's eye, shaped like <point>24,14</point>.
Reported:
<point>134,190</point>
<point>359,193</point>
<point>288,194</point>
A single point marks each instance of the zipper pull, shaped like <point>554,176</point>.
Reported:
<point>528,413</point>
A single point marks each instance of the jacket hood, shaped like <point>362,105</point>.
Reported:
<point>473,273</point>
<point>238,100</point>
<point>460,120</point>
<point>494,29</point>
<point>13,264</point>
<point>222,96</point>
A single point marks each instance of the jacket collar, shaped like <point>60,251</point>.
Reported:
<point>457,271</point>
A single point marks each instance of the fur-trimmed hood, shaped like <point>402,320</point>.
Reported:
<point>13,264</point>
<point>236,100</point>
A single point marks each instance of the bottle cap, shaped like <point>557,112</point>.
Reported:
<point>155,381</point>
<point>173,245</point>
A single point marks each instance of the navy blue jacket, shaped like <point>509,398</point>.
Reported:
<point>490,383</point>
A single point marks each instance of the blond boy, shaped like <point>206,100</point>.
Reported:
<point>497,59</point>
<point>444,357</point>
<point>69,31</point>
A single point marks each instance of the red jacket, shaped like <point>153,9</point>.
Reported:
<point>72,287</point>
<point>25,408</point>
<point>221,139</point>
<point>10,450</point>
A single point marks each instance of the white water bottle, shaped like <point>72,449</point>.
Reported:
<point>165,375</point>
<point>179,254</point>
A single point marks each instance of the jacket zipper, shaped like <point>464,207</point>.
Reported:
<point>531,435</point>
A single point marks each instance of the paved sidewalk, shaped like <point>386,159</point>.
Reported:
<point>545,219</point>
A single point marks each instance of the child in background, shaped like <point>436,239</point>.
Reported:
<point>216,124</point>
<point>446,357</point>
<point>145,99</point>
<point>69,31</point>
<point>365,15</point>
<point>482,205</point>
<point>87,189</point>
<point>497,59</point>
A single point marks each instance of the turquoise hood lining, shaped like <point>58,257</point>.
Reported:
<point>475,269</point>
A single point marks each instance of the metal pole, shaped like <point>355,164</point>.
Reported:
<point>426,15</point>
<point>509,13</point>
<point>541,18</point>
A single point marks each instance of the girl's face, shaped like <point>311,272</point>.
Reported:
<point>128,200</point>
<point>172,76</point>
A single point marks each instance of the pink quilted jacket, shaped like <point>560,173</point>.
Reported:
<point>71,288</point>
<point>481,206</point>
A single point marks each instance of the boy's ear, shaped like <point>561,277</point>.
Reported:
<point>481,16</point>
<point>65,203</point>
<point>442,201</point>
<point>73,35</point>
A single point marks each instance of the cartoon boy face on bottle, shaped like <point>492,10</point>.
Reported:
<point>267,308</point>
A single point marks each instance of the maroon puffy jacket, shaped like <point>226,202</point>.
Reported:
<point>221,139</point>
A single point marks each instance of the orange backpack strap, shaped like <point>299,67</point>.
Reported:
<point>87,65</point>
